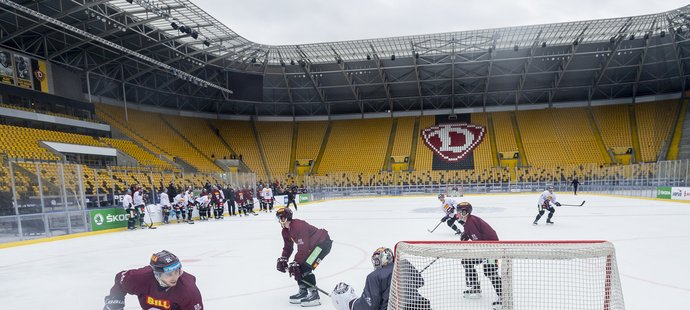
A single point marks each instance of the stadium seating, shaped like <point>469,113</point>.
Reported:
<point>356,146</point>
<point>309,139</point>
<point>240,136</point>
<point>424,156</point>
<point>483,159</point>
<point>403,137</point>
<point>654,122</point>
<point>276,142</point>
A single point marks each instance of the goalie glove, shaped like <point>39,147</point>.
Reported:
<point>114,303</point>
<point>294,270</point>
<point>282,264</point>
<point>343,296</point>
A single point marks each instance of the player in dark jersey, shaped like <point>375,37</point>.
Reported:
<point>377,287</point>
<point>313,244</point>
<point>477,229</point>
<point>161,285</point>
<point>216,202</point>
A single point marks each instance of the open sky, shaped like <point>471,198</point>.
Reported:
<point>277,22</point>
<point>234,259</point>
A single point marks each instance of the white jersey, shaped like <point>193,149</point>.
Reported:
<point>127,201</point>
<point>543,196</point>
<point>180,200</point>
<point>203,200</point>
<point>267,193</point>
<point>165,200</point>
<point>187,198</point>
<point>449,204</point>
<point>138,199</point>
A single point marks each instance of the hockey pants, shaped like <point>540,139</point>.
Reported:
<point>313,260</point>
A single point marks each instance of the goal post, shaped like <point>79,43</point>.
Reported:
<point>527,275</point>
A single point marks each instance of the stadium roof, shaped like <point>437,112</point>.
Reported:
<point>172,54</point>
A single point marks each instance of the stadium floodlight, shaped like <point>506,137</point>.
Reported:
<point>543,44</point>
<point>662,34</point>
<point>174,25</point>
<point>515,48</point>
<point>368,57</point>
<point>292,62</point>
<point>207,43</point>
<point>130,1</point>
<point>195,35</point>
<point>393,57</point>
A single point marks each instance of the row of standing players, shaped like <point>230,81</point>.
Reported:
<point>163,285</point>
<point>240,202</point>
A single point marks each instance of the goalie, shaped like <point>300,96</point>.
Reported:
<point>377,287</point>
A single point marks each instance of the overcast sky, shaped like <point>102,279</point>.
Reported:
<point>278,22</point>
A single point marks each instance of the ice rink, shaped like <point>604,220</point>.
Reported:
<point>234,259</point>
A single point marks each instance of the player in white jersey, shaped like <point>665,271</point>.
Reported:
<point>129,209</point>
<point>267,197</point>
<point>165,205</point>
<point>189,203</point>
<point>202,205</point>
<point>138,197</point>
<point>546,201</point>
<point>180,204</point>
<point>448,205</point>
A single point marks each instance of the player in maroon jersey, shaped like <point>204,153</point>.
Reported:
<point>313,244</point>
<point>161,285</point>
<point>216,202</point>
<point>477,229</point>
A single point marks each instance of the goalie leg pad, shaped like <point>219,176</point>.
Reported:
<point>343,296</point>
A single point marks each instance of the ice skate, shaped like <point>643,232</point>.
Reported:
<point>297,298</point>
<point>549,222</point>
<point>312,299</point>
<point>535,223</point>
<point>473,293</point>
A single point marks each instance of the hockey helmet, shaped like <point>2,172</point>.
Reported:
<point>164,262</point>
<point>441,196</point>
<point>464,206</point>
<point>382,257</point>
<point>549,188</point>
<point>284,214</point>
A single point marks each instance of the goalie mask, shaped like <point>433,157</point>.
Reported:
<point>382,257</point>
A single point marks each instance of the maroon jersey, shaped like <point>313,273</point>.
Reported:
<point>215,196</point>
<point>477,229</point>
<point>306,237</point>
<point>184,295</point>
<point>239,198</point>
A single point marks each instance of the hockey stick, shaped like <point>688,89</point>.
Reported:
<point>567,205</point>
<point>316,287</point>
<point>429,265</point>
<point>150,218</point>
<point>437,225</point>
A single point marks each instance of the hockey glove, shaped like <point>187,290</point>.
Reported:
<point>445,218</point>
<point>282,264</point>
<point>558,204</point>
<point>294,270</point>
<point>114,303</point>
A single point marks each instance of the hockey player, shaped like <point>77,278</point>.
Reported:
<point>313,244</point>
<point>239,198</point>
<point>291,194</point>
<point>448,205</point>
<point>165,205</point>
<point>129,209</point>
<point>189,201</point>
<point>377,286</point>
<point>546,201</point>
<point>216,202</point>
<point>139,206</point>
<point>477,229</point>
<point>180,204</point>
<point>161,285</point>
<point>268,198</point>
<point>202,204</point>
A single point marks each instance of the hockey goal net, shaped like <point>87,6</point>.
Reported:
<point>509,275</point>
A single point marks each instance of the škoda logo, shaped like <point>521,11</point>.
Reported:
<point>452,142</point>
